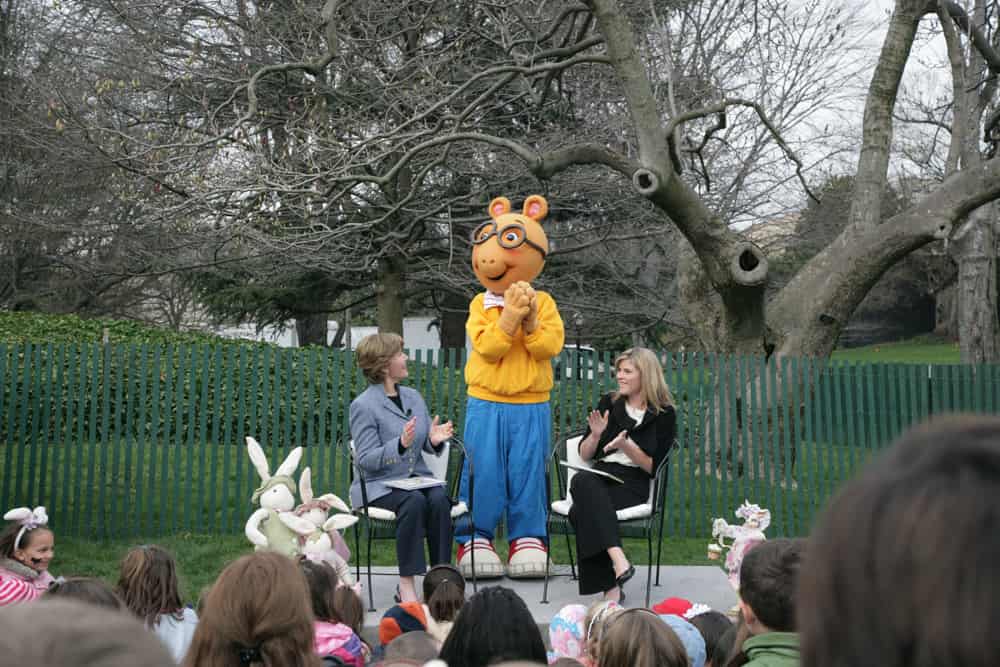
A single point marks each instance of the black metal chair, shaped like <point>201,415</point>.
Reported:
<point>638,521</point>
<point>380,524</point>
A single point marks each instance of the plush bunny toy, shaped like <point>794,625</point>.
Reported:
<point>274,526</point>
<point>325,542</point>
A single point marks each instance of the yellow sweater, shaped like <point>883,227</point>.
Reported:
<point>516,369</point>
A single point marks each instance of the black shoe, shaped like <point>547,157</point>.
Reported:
<point>397,597</point>
<point>621,580</point>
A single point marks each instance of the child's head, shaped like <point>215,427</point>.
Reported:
<point>256,614</point>
<point>444,592</point>
<point>148,584</point>
<point>640,638</point>
<point>71,632</point>
<point>712,625</point>
<point>597,618</point>
<point>567,632</point>
<point>27,538</point>
<point>91,590</point>
<point>768,577</point>
<point>349,608</point>
<point>729,645</point>
<point>322,581</point>
<point>417,646</point>
<point>494,625</point>
<point>901,567</point>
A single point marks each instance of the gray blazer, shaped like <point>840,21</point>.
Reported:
<point>376,424</point>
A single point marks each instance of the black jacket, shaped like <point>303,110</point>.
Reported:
<point>654,435</point>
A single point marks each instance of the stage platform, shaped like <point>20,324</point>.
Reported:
<point>704,584</point>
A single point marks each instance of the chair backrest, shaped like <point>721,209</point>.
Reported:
<point>573,456</point>
<point>438,463</point>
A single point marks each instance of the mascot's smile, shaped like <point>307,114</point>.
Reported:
<point>500,277</point>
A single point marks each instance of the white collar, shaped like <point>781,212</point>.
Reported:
<point>491,300</point>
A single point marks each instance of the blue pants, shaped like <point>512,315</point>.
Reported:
<point>508,444</point>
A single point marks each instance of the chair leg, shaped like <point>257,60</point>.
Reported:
<point>659,547</point>
<point>572,561</point>
<point>545,588</point>
<point>649,568</point>
<point>371,593</point>
<point>357,551</point>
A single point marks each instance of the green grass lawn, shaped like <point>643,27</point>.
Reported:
<point>200,558</point>
<point>919,350</point>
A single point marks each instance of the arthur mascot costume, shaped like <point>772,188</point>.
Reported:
<point>515,331</point>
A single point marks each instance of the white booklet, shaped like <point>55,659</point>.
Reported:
<point>579,468</point>
<point>414,483</point>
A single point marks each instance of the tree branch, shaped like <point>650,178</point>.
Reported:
<point>720,109</point>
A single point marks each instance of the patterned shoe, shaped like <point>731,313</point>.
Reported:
<point>488,565</point>
<point>527,558</point>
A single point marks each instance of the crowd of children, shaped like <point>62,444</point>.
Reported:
<point>914,527</point>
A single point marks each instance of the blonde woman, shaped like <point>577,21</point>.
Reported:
<point>628,435</point>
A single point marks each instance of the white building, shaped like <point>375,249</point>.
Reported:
<point>419,333</point>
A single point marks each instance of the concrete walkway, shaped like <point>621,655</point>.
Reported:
<point>704,584</point>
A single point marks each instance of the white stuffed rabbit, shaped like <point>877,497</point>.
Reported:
<point>275,526</point>
<point>325,542</point>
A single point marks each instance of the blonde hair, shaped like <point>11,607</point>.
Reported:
<point>374,352</point>
<point>594,624</point>
<point>654,388</point>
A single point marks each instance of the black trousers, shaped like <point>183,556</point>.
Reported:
<point>420,514</point>
<point>595,501</point>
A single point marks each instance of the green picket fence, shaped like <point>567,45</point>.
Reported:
<point>122,441</point>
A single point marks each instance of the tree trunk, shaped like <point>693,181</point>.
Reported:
<point>976,292</point>
<point>389,295</point>
<point>311,329</point>
<point>454,313</point>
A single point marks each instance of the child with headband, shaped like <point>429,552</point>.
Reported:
<point>26,549</point>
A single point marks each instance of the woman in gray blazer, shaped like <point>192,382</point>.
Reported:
<point>391,428</point>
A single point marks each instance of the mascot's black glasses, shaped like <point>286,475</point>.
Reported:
<point>511,236</point>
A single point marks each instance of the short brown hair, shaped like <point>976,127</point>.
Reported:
<point>901,568</point>
<point>640,638</point>
<point>768,579</point>
<point>258,605</point>
<point>374,352</point>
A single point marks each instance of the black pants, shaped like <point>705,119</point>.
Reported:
<point>595,501</point>
<point>425,513</point>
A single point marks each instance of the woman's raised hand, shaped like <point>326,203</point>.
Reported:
<point>618,442</point>
<point>597,421</point>
<point>440,432</point>
<point>409,432</point>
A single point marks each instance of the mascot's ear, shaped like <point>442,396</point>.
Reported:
<point>535,207</point>
<point>499,206</point>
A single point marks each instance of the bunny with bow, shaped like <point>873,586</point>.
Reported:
<point>325,543</point>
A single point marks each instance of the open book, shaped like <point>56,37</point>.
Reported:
<point>580,468</point>
<point>414,483</point>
